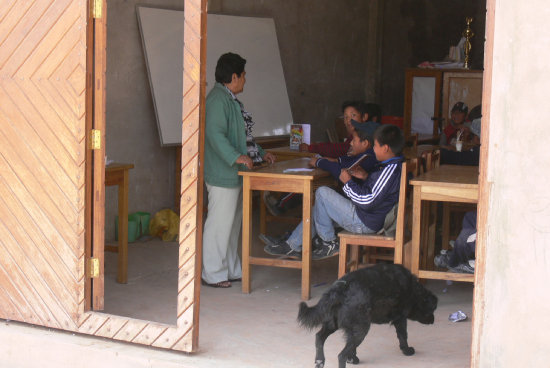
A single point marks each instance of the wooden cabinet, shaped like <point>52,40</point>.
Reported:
<point>431,93</point>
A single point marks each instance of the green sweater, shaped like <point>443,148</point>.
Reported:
<point>225,139</point>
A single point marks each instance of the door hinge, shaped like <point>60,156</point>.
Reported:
<point>93,267</point>
<point>97,7</point>
<point>95,139</point>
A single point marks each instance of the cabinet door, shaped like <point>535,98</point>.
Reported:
<point>422,101</point>
<point>461,86</point>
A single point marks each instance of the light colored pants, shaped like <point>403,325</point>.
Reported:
<point>331,209</point>
<point>220,241</point>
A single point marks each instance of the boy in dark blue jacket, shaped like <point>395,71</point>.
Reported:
<point>363,211</point>
<point>360,145</point>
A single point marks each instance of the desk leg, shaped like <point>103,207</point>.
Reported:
<point>263,226</point>
<point>247,234</point>
<point>417,209</point>
<point>122,260</point>
<point>306,241</point>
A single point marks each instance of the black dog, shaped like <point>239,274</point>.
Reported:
<point>379,294</point>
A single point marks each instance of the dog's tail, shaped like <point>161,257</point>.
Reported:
<point>328,305</point>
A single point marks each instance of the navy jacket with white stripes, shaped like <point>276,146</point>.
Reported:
<point>375,197</point>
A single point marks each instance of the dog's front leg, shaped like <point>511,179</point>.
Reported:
<point>320,339</point>
<point>401,329</point>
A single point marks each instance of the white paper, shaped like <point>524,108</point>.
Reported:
<point>298,169</point>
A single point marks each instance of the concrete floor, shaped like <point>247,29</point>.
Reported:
<point>236,330</point>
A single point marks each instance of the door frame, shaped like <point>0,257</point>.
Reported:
<point>184,335</point>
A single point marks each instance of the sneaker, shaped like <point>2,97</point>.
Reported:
<point>271,204</point>
<point>441,260</point>
<point>472,263</point>
<point>281,248</point>
<point>461,268</point>
<point>328,249</point>
<point>268,239</point>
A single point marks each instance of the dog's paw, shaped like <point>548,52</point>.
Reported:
<point>319,363</point>
<point>353,360</point>
<point>408,351</point>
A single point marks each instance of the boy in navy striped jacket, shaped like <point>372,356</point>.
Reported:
<point>363,211</point>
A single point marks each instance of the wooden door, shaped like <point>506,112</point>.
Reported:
<point>48,200</point>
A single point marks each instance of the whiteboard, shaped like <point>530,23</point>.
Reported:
<point>265,96</point>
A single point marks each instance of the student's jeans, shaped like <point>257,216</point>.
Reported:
<point>462,249</point>
<point>331,209</point>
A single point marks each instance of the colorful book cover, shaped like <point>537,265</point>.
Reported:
<point>299,133</point>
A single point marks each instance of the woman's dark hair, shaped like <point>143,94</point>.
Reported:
<point>392,136</point>
<point>227,65</point>
<point>357,105</point>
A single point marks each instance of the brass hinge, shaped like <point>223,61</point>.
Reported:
<point>97,7</point>
<point>93,267</point>
<point>95,139</point>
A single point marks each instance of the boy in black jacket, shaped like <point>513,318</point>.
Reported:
<point>363,211</point>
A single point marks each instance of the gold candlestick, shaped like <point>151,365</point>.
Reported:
<point>468,34</point>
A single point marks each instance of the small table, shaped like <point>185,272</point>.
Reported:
<point>274,178</point>
<point>286,153</point>
<point>447,183</point>
<point>117,174</point>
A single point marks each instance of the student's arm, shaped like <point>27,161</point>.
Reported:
<point>327,149</point>
<point>369,193</point>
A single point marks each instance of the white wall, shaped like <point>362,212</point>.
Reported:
<point>512,326</point>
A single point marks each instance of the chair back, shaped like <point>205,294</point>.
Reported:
<point>409,170</point>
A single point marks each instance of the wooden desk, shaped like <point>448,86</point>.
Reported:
<point>117,174</point>
<point>447,183</point>
<point>285,153</point>
<point>274,179</point>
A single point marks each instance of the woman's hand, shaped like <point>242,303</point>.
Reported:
<point>269,157</point>
<point>245,160</point>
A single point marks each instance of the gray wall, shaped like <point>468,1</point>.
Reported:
<point>322,51</point>
<point>414,31</point>
<point>131,129</point>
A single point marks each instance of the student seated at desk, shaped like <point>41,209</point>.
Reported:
<point>366,113</point>
<point>458,117</point>
<point>356,110</point>
<point>365,208</point>
<point>361,144</point>
<point>469,157</point>
<point>461,257</point>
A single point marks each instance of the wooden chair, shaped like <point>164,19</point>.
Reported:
<point>412,141</point>
<point>374,240</point>
<point>429,214</point>
<point>332,135</point>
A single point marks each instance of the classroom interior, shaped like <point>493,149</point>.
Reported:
<point>364,60</point>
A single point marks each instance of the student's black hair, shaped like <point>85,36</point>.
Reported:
<point>392,136</point>
<point>360,106</point>
<point>228,64</point>
<point>364,136</point>
<point>374,111</point>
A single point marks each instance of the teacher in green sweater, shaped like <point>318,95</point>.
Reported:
<point>229,147</point>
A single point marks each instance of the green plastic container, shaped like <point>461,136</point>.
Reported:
<point>133,228</point>
<point>144,219</point>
